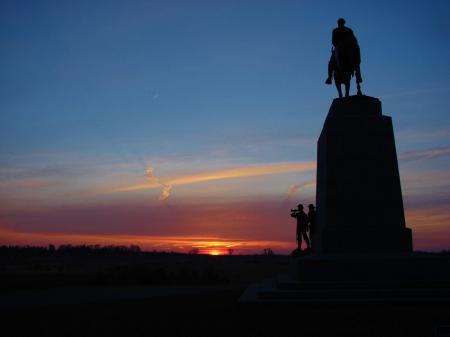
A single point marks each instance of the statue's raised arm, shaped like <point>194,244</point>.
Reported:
<point>345,59</point>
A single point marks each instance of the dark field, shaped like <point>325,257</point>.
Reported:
<point>180,295</point>
<point>24,271</point>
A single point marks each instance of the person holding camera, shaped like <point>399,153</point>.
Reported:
<point>302,226</point>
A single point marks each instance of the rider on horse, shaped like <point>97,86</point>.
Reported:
<point>345,56</point>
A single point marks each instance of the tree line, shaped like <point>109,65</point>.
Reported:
<point>71,249</point>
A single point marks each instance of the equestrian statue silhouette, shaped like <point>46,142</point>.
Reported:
<point>345,59</point>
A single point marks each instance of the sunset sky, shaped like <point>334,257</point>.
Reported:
<point>193,124</point>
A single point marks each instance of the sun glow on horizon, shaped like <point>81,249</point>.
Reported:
<point>181,244</point>
<point>429,224</point>
<point>215,252</point>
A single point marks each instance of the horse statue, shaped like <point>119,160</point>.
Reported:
<point>345,63</point>
<point>345,59</point>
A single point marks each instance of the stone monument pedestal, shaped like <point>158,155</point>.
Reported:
<point>362,249</point>
<point>381,269</point>
<point>358,197</point>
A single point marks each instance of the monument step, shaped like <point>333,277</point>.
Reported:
<point>281,289</point>
<point>394,269</point>
<point>358,294</point>
<point>293,286</point>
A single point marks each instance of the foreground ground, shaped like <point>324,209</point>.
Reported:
<point>172,295</point>
<point>218,314</point>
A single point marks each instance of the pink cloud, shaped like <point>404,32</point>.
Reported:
<point>26,184</point>
<point>295,188</point>
<point>431,226</point>
<point>257,220</point>
<point>425,154</point>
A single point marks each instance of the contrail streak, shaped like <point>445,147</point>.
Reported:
<point>233,173</point>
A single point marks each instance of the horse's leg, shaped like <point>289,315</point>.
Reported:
<point>359,92</point>
<point>358,74</point>
<point>347,88</point>
<point>338,87</point>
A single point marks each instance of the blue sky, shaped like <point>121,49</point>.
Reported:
<point>92,92</point>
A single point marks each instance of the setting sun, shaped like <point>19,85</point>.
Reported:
<point>215,252</point>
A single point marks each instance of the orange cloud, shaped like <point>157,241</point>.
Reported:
<point>233,173</point>
<point>245,226</point>
<point>431,227</point>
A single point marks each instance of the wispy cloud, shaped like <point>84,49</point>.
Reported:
<point>425,154</point>
<point>232,173</point>
<point>430,225</point>
<point>423,135</point>
<point>166,184</point>
<point>295,188</point>
<point>165,189</point>
<point>26,184</point>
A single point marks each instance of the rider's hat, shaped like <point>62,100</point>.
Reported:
<point>341,21</point>
<point>311,206</point>
<point>300,206</point>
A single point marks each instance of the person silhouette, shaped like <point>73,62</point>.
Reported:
<point>342,39</point>
<point>311,220</point>
<point>302,226</point>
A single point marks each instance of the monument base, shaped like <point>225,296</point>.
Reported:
<point>412,277</point>
<point>371,268</point>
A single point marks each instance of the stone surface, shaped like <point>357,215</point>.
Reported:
<point>358,198</point>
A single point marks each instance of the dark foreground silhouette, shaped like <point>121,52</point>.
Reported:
<point>302,226</point>
<point>219,315</point>
<point>305,228</point>
<point>49,267</point>
<point>213,311</point>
